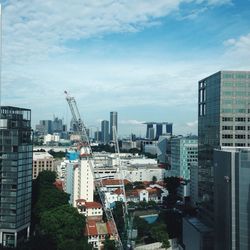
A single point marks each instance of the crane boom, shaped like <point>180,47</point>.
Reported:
<point>84,143</point>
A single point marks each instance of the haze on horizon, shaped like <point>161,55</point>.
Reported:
<point>141,58</point>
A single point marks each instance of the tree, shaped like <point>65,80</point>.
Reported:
<point>65,226</point>
<point>172,183</point>
<point>49,198</point>
<point>159,233</point>
<point>128,186</point>
<point>154,179</point>
<point>109,244</point>
<point>119,217</point>
<point>142,226</point>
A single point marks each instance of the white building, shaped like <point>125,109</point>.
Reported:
<point>79,179</point>
<point>92,210</point>
<point>51,138</point>
<point>144,173</point>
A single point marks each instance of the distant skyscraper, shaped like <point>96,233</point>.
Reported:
<point>105,131</point>
<point>16,175</point>
<point>113,123</point>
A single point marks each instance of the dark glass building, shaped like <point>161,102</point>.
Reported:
<point>15,175</point>
<point>232,198</point>
<point>105,131</point>
<point>113,124</point>
<point>224,120</point>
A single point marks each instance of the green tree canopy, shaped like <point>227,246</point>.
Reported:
<point>65,226</point>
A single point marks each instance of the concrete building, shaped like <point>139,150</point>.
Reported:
<point>143,173</point>
<point>113,124</point>
<point>16,175</point>
<point>105,131</point>
<point>42,161</point>
<point>232,198</point>
<point>91,210</point>
<point>51,138</point>
<point>184,152</point>
<point>196,235</point>
<point>44,127</point>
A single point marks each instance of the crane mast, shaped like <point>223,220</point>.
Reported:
<point>86,151</point>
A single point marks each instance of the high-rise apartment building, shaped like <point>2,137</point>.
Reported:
<point>232,198</point>
<point>224,116</point>
<point>105,131</point>
<point>113,124</point>
<point>184,153</point>
<point>16,175</point>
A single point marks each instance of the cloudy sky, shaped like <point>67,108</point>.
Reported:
<point>142,58</point>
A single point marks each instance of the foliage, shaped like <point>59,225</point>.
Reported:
<point>109,244</point>
<point>172,183</point>
<point>50,198</point>
<point>159,233</point>
<point>128,186</point>
<point>151,156</point>
<point>134,151</point>
<point>65,226</point>
<point>152,203</point>
<point>103,147</point>
<point>154,179</point>
<point>139,185</point>
<point>59,154</point>
<point>118,216</point>
<point>141,225</point>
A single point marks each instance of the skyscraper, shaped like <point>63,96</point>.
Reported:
<point>113,124</point>
<point>105,131</point>
<point>224,115</point>
<point>16,175</point>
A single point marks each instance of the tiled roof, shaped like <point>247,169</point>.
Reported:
<point>91,229</point>
<point>118,191</point>
<point>88,204</point>
<point>107,182</point>
<point>97,228</point>
<point>93,205</point>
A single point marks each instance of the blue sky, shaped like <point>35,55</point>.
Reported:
<point>142,58</point>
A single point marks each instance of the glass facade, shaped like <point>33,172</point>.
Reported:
<point>16,173</point>
<point>223,116</point>
<point>184,152</point>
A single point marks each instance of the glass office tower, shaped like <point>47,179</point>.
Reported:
<point>15,175</point>
<point>224,120</point>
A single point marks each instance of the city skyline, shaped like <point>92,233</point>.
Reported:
<point>144,63</point>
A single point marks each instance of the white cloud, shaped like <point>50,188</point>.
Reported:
<point>192,124</point>
<point>132,122</point>
<point>238,51</point>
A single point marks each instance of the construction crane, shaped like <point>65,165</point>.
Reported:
<point>86,152</point>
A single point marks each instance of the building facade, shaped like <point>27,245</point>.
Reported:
<point>42,161</point>
<point>223,119</point>
<point>232,198</point>
<point>16,175</point>
<point>113,124</point>
<point>184,152</point>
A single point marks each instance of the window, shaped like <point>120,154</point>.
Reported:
<point>227,101</point>
<point>227,127</point>
<point>240,144</point>
<point>227,144</point>
<point>227,136</point>
<point>240,119</point>
<point>227,119</point>
<point>228,84</point>
<point>240,128</point>
<point>227,110</point>
<point>240,137</point>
